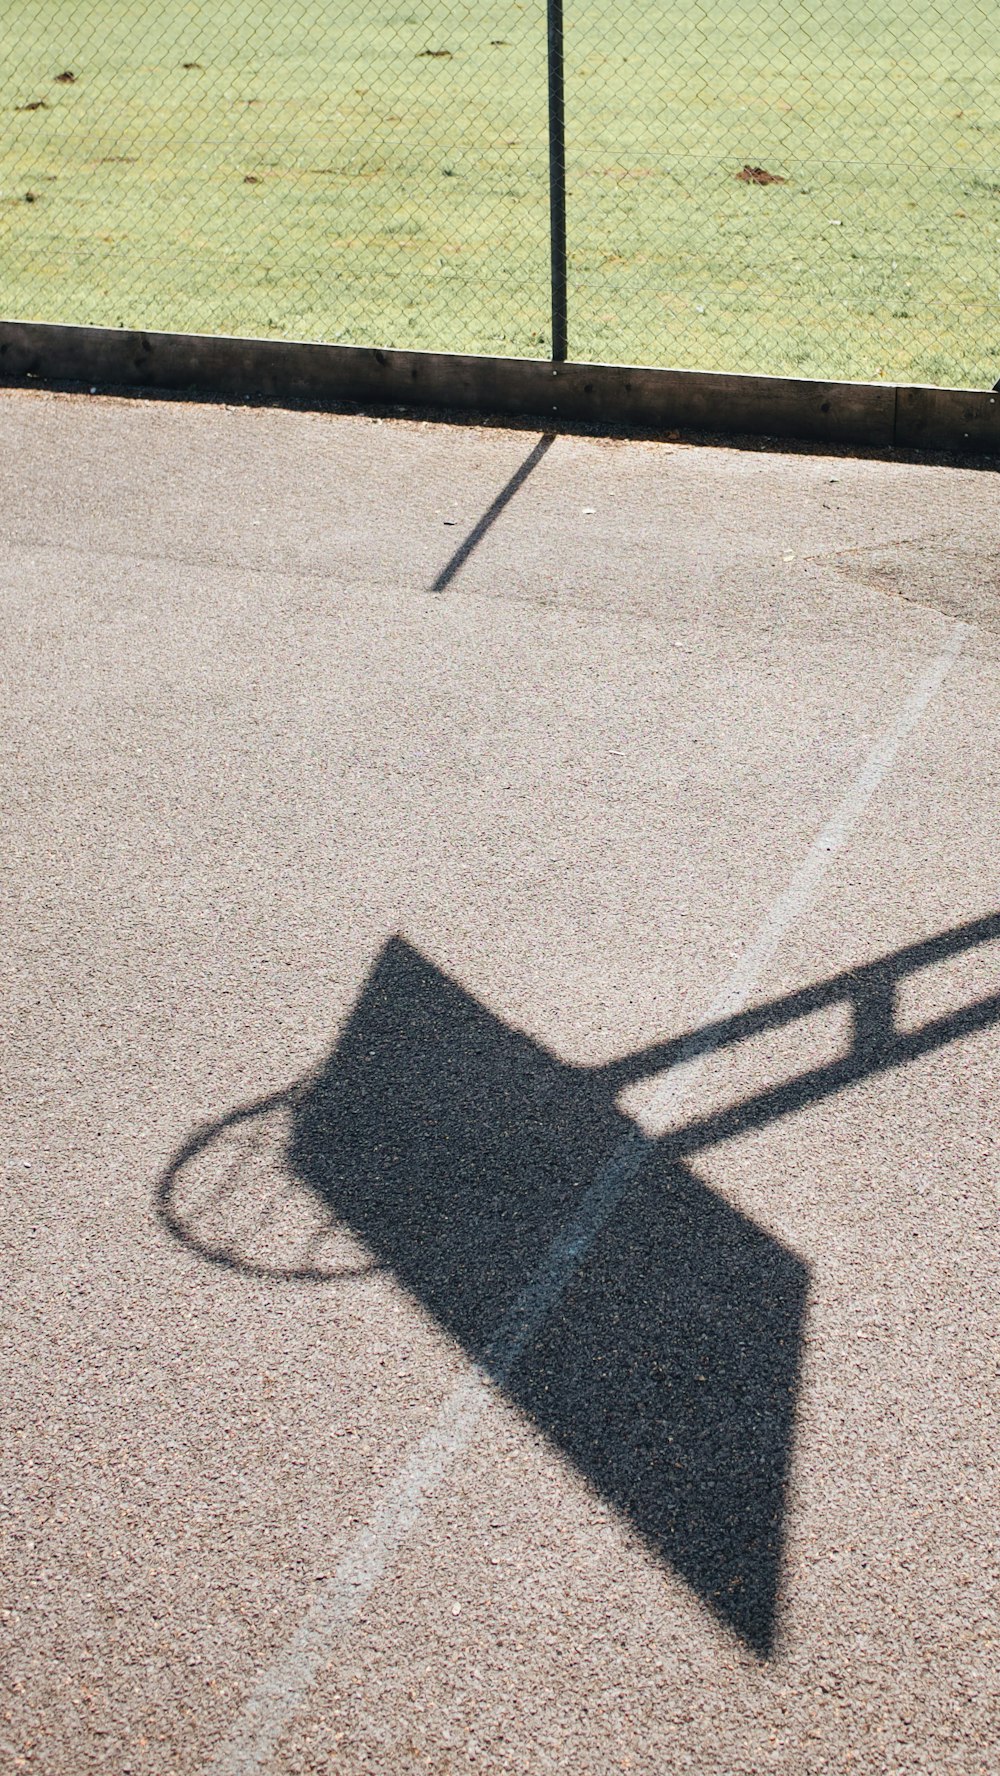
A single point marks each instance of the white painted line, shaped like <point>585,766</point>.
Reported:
<point>281,1689</point>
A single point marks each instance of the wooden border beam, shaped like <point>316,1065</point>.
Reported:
<point>613,395</point>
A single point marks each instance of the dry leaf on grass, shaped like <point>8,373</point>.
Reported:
<point>760,176</point>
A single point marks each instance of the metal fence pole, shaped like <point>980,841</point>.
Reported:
<point>557,180</point>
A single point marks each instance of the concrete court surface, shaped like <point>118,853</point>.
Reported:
<point>502,1170</point>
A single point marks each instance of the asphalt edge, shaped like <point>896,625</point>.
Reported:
<point>633,398</point>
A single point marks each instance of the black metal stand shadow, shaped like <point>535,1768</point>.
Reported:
<point>492,513</point>
<point>439,1143</point>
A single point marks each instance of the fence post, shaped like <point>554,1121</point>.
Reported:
<point>557,180</point>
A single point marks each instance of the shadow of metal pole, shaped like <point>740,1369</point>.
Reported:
<point>492,513</point>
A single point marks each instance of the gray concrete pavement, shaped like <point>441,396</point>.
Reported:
<point>354,931</point>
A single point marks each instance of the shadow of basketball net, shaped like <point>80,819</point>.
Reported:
<point>438,1143</point>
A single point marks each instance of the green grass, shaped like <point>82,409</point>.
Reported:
<point>319,176</point>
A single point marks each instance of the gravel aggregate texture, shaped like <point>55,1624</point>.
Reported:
<point>377,843</point>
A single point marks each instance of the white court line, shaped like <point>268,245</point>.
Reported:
<point>280,1690</point>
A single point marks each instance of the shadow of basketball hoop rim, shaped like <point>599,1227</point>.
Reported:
<point>453,1149</point>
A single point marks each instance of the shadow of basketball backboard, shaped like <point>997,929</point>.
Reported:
<point>437,1142</point>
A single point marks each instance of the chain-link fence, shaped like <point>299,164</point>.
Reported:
<point>777,188</point>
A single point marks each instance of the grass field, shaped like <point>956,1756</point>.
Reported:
<point>378,176</point>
